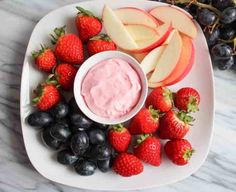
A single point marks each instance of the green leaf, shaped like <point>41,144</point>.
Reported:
<point>183,116</point>
<point>143,137</point>
<point>118,127</point>
<point>192,105</point>
<point>188,154</point>
<point>58,33</point>
<point>154,113</point>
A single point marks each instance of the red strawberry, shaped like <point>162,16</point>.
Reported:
<point>87,24</point>
<point>47,96</point>
<point>65,75</point>
<point>179,151</point>
<point>99,44</point>
<point>148,150</point>
<point>174,125</point>
<point>146,121</point>
<point>119,138</point>
<point>45,59</point>
<point>127,165</point>
<point>160,98</point>
<point>187,99</point>
<point>68,47</point>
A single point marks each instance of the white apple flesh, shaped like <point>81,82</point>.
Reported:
<point>132,15</point>
<point>146,45</point>
<point>179,20</point>
<point>168,60</point>
<point>141,32</point>
<point>116,30</point>
<point>149,62</point>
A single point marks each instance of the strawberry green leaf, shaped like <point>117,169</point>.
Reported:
<point>142,138</point>
<point>192,105</point>
<point>36,54</point>
<point>118,127</point>
<point>154,113</point>
<point>188,154</point>
<point>104,37</point>
<point>35,100</point>
<point>183,116</point>
<point>84,12</point>
<point>58,33</point>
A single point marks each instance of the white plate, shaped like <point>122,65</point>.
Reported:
<point>200,134</point>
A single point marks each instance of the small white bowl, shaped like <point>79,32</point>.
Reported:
<point>87,65</point>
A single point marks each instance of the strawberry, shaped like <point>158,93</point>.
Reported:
<point>119,138</point>
<point>126,165</point>
<point>68,47</point>
<point>47,96</point>
<point>65,75</point>
<point>179,151</point>
<point>99,44</point>
<point>187,99</point>
<point>146,121</point>
<point>45,59</point>
<point>160,98</point>
<point>148,150</point>
<point>87,24</point>
<point>174,125</point>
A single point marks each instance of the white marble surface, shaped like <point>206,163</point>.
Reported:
<point>18,18</point>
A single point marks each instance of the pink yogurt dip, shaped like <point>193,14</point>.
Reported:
<point>111,88</point>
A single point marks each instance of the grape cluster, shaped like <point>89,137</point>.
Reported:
<point>218,21</point>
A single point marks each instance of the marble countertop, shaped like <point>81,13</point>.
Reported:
<point>18,18</point>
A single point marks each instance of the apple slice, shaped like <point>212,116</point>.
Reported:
<point>116,30</point>
<point>179,20</point>
<point>167,41</point>
<point>132,15</point>
<point>168,60</point>
<point>146,45</point>
<point>141,32</point>
<point>184,64</point>
<point>150,61</point>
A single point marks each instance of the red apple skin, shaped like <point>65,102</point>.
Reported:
<point>146,13</point>
<point>187,70</point>
<point>183,66</point>
<point>155,44</point>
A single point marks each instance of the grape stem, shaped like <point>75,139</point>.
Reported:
<point>201,5</point>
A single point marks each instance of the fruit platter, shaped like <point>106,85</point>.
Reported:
<point>117,95</point>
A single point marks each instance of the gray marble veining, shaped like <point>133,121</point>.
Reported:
<point>18,18</point>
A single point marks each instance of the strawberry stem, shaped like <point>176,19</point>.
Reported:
<point>183,116</point>
<point>35,100</point>
<point>58,33</point>
<point>84,12</point>
<point>35,54</point>
<point>104,37</point>
<point>154,113</point>
<point>192,105</point>
<point>142,138</point>
<point>167,93</point>
<point>118,127</point>
<point>188,154</point>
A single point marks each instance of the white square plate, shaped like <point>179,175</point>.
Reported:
<point>200,134</point>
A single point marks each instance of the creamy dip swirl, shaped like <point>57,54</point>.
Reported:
<point>111,88</point>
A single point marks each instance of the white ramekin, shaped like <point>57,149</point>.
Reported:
<point>87,65</point>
